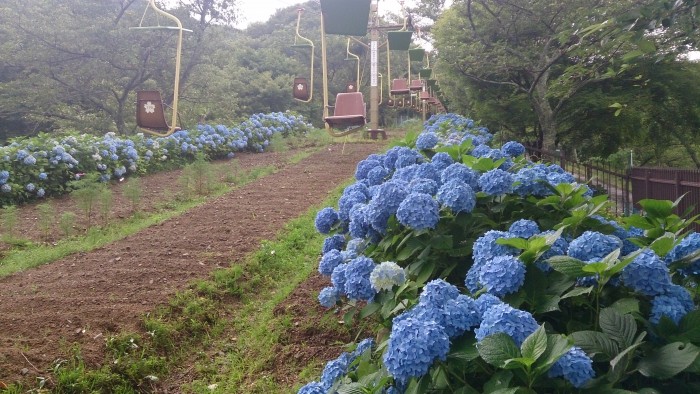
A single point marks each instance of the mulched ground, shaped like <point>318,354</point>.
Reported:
<point>80,299</point>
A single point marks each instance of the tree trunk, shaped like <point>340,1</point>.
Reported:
<point>545,114</point>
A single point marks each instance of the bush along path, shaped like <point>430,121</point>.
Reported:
<point>81,301</point>
<point>484,272</point>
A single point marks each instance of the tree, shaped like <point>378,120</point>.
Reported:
<point>545,50</point>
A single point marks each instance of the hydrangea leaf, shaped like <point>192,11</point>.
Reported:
<point>557,346</point>
<point>419,386</point>
<point>518,243</point>
<point>534,345</point>
<point>596,343</point>
<point>499,381</point>
<point>369,309</point>
<point>657,209</point>
<point>594,268</point>
<point>626,305</point>
<point>667,361</point>
<point>497,349</point>
<point>622,328</point>
<point>568,266</point>
<point>689,329</point>
<point>577,291</point>
<point>352,388</point>
<point>661,246</point>
<point>464,349</point>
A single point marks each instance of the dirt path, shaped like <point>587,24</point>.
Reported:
<point>82,298</point>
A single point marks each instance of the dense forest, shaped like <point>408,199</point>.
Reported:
<point>593,78</point>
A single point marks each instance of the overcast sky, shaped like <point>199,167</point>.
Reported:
<point>261,10</point>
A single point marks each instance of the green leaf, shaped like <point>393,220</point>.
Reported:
<point>689,328</point>
<point>499,380</point>
<point>657,209</point>
<point>419,386</point>
<point>518,243</point>
<point>426,271</point>
<point>370,309</point>
<point>661,246</point>
<point>498,348</point>
<point>557,346</point>
<point>635,53</point>
<point>626,305</point>
<point>646,46</point>
<point>568,265</point>
<point>621,328</point>
<point>464,349</point>
<point>577,291</point>
<point>594,342</point>
<point>667,361</point>
<point>595,268</point>
<point>351,388</point>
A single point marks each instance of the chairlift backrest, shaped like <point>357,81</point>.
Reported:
<point>300,89</point>
<point>416,84</point>
<point>149,111</point>
<point>350,104</point>
<point>399,86</point>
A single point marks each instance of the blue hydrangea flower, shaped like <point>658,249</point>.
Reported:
<point>485,247</point>
<point>674,304</point>
<point>329,261</point>
<point>531,181</point>
<point>357,273</point>
<point>575,366</point>
<point>558,248</point>
<point>30,187</point>
<point>413,347</point>
<point>423,185</point>
<point>328,297</point>
<point>485,302</point>
<point>688,245</point>
<point>426,140</point>
<point>480,150</point>
<point>647,274</point>
<point>502,275</point>
<point>336,241</point>
<point>418,211</point>
<point>427,171</point>
<point>313,388</point>
<point>40,192</point>
<point>356,245</point>
<point>359,225</point>
<point>407,157</point>
<point>437,292</point>
<point>338,278</point>
<point>441,160</point>
<point>461,314</point>
<point>471,281</point>
<point>347,201</point>
<point>460,172</point>
<point>593,246</point>
<point>524,228</point>
<point>513,149</point>
<point>387,275</point>
<point>334,370</point>
<point>376,175</point>
<point>506,319</point>
<point>391,156</point>
<point>357,187</point>
<point>457,196</point>
<point>29,160</point>
<point>496,182</point>
<point>325,220</point>
<point>364,167</point>
<point>405,174</point>
<point>385,202</point>
<point>43,176</point>
<point>364,345</point>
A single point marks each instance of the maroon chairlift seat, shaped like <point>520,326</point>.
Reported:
<point>399,87</point>
<point>350,110</point>
<point>351,87</point>
<point>424,95</point>
<point>301,89</point>
<point>149,111</point>
<point>416,85</point>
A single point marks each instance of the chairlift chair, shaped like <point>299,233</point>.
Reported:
<point>302,88</point>
<point>150,114</point>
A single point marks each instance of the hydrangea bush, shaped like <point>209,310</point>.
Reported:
<point>32,168</point>
<point>499,274</point>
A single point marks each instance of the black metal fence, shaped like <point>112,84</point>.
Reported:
<point>626,187</point>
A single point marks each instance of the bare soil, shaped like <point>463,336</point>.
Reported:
<point>81,299</point>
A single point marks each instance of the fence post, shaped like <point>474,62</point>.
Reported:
<point>647,184</point>
<point>678,183</point>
